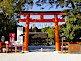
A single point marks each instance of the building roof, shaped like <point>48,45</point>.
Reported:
<point>38,32</point>
<point>35,33</point>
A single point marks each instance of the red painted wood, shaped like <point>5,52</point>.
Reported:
<point>44,20</point>
<point>56,20</point>
<point>42,13</point>
<point>57,43</point>
<point>26,38</point>
<point>22,20</point>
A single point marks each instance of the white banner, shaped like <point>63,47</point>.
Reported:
<point>19,32</point>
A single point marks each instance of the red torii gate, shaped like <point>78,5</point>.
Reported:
<point>41,13</point>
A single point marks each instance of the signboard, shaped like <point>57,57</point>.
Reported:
<point>11,37</point>
<point>19,32</point>
<point>74,47</point>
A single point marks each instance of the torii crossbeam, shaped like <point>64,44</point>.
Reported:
<point>42,13</point>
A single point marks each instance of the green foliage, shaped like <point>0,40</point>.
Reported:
<point>9,15</point>
<point>71,4</point>
<point>34,29</point>
<point>51,33</point>
<point>44,29</point>
<point>73,27</point>
<point>7,6</point>
<point>10,6</point>
<point>6,26</point>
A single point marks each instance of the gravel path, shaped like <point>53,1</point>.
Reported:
<point>39,56</point>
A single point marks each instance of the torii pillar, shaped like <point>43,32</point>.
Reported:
<point>26,38</point>
<point>57,43</point>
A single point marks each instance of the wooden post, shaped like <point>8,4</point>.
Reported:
<point>41,17</point>
<point>68,47</point>
<point>16,48</point>
<point>57,43</point>
<point>0,46</point>
<point>62,44</point>
<point>26,39</point>
<point>7,47</point>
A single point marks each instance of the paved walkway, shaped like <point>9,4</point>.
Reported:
<point>39,56</point>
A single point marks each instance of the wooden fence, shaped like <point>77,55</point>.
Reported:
<point>8,50</point>
<point>68,46</point>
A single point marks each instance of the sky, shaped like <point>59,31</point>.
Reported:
<point>42,24</point>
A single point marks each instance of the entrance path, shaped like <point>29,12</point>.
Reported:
<point>39,56</point>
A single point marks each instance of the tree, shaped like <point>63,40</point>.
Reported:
<point>35,29</point>
<point>72,29</point>
<point>10,7</point>
<point>51,33</point>
<point>6,26</point>
<point>44,29</point>
<point>56,3</point>
<point>9,10</point>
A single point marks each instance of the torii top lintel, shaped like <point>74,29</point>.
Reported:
<point>41,13</point>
